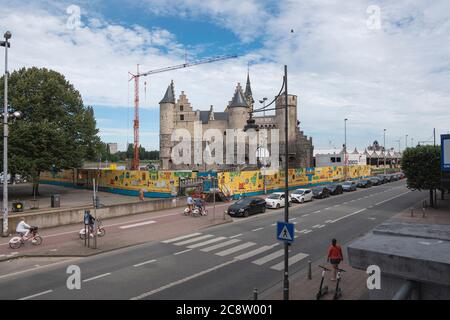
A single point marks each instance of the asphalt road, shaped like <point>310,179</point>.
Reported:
<point>223,262</point>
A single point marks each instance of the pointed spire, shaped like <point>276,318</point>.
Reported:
<point>248,89</point>
<point>169,97</point>
<point>238,98</point>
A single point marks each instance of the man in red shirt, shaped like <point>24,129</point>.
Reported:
<point>335,257</point>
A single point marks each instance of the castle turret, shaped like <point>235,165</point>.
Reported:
<point>248,93</point>
<point>166,125</point>
<point>292,116</point>
<point>238,110</point>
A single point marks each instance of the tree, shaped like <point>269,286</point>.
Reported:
<point>56,130</point>
<point>421,166</point>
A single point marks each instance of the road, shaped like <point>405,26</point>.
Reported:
<point>222,262</point>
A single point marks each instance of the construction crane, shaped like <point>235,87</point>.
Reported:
<point>135,77</point>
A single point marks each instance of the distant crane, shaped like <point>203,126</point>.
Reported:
<point>135,163</point>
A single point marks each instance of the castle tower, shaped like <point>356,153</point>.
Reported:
<point>166,126</point>
<point>292,124</point>
<point>238,110</point>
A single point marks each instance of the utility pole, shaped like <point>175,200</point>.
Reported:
<point>384,149</point>
<point>286,191</point>
<point>345,149</point>
<point>5,137</point>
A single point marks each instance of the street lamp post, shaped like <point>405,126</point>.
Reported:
<point>263,101</point>
<point>384,149</point>
<point>5,44</point>
<point>345,149</point>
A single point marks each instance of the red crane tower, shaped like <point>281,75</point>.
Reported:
<point>135,163</point>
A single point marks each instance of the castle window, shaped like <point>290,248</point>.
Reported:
<point>181,108</point>
<point>182,117</point>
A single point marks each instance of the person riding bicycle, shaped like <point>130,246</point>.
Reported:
<point>200,205</point>
<point>22,228</point>
<point>190,203</point>
<point>89,220</point>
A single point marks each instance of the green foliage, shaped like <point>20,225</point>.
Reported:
<point>56,131</point>
<point>422,167</point>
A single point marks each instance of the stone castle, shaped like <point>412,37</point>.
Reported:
<point>179,114</point>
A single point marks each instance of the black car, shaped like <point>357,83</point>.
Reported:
<point>335,189</point>
<point>364,183</point>
<point>383,178</point>
<point>376,181</point>
<point>321,192</point>
<point>395,177</point>
<point>246,207</point>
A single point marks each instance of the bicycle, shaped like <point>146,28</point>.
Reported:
<point>18,241</point>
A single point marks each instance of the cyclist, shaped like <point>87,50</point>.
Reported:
<point>200,205</point>
<point>190,203</point>
<point>89,220</point>
<point>22,228</point>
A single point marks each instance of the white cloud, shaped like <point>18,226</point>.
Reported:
<point>394,78</point>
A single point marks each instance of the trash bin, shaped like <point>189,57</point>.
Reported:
<point>55,201</point>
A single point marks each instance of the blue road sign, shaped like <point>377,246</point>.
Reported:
<point>445,152</point>
<point>285,231</point>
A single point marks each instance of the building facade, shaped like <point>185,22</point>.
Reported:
<point>180,114</point>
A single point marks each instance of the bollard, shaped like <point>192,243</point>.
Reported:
<point>423,212</point>
<point>309,270</point>
<point>255,294</point>
<point>412,212</point>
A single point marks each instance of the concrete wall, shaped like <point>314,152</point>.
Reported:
<point>54,218</point>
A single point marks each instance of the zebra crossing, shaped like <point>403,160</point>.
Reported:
<point>265,255</point>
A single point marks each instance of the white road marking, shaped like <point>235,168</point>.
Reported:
<point>321,226</point>
<point>372,218</point>
<point>425,243</point>
<point>257,229</point>
<point>143,263</point>
<point>329,221</point>
<point>336,205</point>
<point>305,215</point>
<point>316,211</point>
<point>204,243</point>
<point>220,245</point>
<point>181,252</point>
<point>235,236</point>
<point>292,219</point>
<point>349,215</point>
<point>273,224</point>
<point>33,269</point>
<point>140,224</point>
<point>206,236</point>
<point>307,231</point>
<point>269,257</point>
<point>255,252</point>
<point>401,194</point>
<point>316,226</point>
<point>170,285</point>
<point>53,250</point>
<point>97,277</point>
<point>327,208</point>
<point>36,295</point>
<point>294,259</point>
<point>235,249</point>
<point>182,237</point>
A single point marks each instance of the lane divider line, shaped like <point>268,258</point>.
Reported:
<point>144,263</point>
<point>97,277</point>
<point>181,252</point>
<point>36,295</point>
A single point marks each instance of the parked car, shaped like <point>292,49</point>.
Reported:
<point>247,206</point>
<point>401,175</point>
<point>376,181</point>
<point>276,200</point>
<point>302,195</point>
<point>394,177</point>
<point>383,178</point>
<point>364,183</point>
<point>335,189</point>
<point>349,186</point>
<point>321,192</point>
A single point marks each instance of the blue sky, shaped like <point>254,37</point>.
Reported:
<point>342,64</point>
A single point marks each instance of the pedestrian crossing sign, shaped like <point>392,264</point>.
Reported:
<point>285,231</point>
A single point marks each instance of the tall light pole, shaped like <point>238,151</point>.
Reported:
<point>384,149</point>
<point>263,101</point>
<point>286,185</point>
<point>406,142</point>
<point>345,148</point>
<point>5,44</point>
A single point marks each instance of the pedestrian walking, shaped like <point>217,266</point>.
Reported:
<point>141,195</point>
<point>335,257</point>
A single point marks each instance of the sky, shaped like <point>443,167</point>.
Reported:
<point>379,64</point>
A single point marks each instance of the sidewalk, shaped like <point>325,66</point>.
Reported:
<point>69,197</point>
<point>353,283</point>
<point>440,215</point>
<point>120,232</point>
